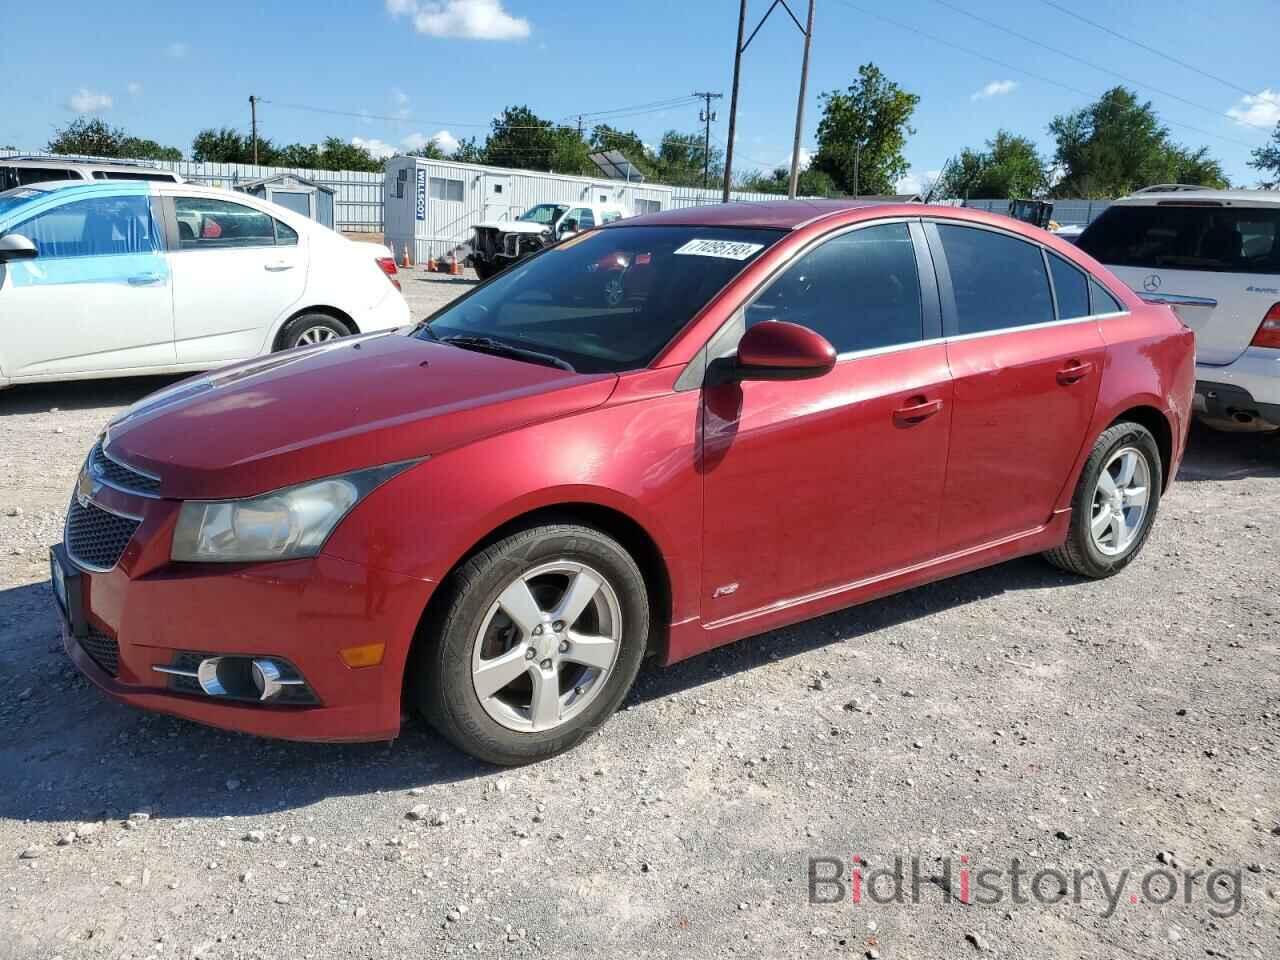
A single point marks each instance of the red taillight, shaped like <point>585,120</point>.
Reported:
<point>1268,334</point>
<point>388,266</point>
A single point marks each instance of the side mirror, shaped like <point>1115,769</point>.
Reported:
<point>568,226</point>
<point>15,246</point>
<point>777,350</point>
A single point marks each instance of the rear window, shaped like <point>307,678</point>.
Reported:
<point>1183,237</point>
<point>130,175</point>
<point>16,176</point>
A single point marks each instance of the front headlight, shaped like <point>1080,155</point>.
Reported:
<point>286,524</point>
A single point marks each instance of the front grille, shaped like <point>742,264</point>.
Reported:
<point>102,650</point>
<point>118,475</point>
<point>95,538</point>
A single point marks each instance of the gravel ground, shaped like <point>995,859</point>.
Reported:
<point>1014,713</point>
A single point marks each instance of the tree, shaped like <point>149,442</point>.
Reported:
<point>1117,145</point>
<point>96,138</point>
<point>679,160</point>
<point>1010,166</point>
<point>228,145</point>
<point>1267,159</point>
<point>468,151</point>
<point>428,151</point>
<point>521,139</point>
<point>865,127</point>
<point>337,154</point>
<point>812,183</point>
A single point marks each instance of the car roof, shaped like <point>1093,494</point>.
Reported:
<point>779,214</point>
<point>1184,196</point>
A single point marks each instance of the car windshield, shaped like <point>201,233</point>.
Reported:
<point>606,301</point>
<point>544,213</point>
<point>12,199</point>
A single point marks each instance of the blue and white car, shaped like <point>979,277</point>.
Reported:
<point>120,278</point>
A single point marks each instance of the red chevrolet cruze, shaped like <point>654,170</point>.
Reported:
<point>750,415</point>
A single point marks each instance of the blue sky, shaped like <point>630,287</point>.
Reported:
<point>411,69</point>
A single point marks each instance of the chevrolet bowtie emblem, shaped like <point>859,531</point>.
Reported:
<point>84,488</point>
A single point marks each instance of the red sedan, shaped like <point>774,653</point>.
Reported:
<point>495,516</point>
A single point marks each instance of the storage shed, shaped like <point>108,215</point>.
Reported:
<point>433,204</point>
<point>311,199</point>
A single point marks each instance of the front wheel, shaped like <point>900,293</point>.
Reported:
<point>540,640</point>
<point>1114,505</point>
<point>485,268</point>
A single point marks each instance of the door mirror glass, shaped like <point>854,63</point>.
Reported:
<point>777,350</point>
<point>567,226</point>
<point>15,246</point>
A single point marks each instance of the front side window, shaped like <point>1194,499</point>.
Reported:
<point>1186,236</point>
<point>93,227</point>
<point>1071,288</point>
<point>602,302</point>
<point>998,280</point>
<point>860,290</point>
<point>586,219</point>
<point>206,224</point>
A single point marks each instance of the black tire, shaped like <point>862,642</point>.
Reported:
<point>485,269</point>
<point>1080,554</point>
<point>303,323</point>
<point>441,672</point>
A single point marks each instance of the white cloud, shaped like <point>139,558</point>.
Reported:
<point>806,157</point>
<point>134,87</point>
<point>916,181</point>
<point>1257,110</point>
<point>443,139</point>
<point>996,88</point>
<point>85,100</point>
<point>402,102</point>
<point>470,19</point>
<point>379,149</point>
<point>176,50</point>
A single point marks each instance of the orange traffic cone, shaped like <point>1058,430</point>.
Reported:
<point>454,269</point>
<point>404,262</point>
<point>431,265</point>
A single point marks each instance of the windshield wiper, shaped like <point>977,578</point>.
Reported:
<point>501,348</point>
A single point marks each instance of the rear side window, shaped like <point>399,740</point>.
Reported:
<point>1071,288</point>
<point>286,236</point>
<point>205,224</point>
<point>1102,302</point>
<point>999,281</point>
<point>860,290</point>
<point>1187,237</point>
<point>20,176</point>
<point>130,175</point>
<point>94,227</point>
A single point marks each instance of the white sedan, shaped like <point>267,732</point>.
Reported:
<point>116,278</point>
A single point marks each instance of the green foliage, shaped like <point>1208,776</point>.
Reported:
<point>1267,159</point>
<point>96,138</point>
<point>227,145</point>
<point>522,140</point>
<point>337,154</point>
<point>230,146</point>
<point>1117,145</point>
<point>428,151</point>
<point>469,151</point>
<point>810,183</point>
<point>679,160</point>
<point>874,114</point>
<point>1010,166</point>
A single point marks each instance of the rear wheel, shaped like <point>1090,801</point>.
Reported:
<point>541,639</point>
<point>311,329</point>
<point>1114,505</point>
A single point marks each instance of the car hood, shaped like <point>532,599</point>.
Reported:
<point>513,226</point>
<point>326,410</point>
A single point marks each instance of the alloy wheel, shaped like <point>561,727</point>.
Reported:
<point>314,335</point>
<point>1120,501</point>
<point>546,646</point>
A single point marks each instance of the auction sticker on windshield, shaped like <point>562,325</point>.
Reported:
<point>725,249</point>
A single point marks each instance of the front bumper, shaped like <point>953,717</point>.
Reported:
<point>1250,385</point>
<point>303,611</point>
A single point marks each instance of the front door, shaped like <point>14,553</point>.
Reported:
<point>497,198</point>
<point>98,296</point>
<point>1027,366</point>
<point>816,484</point>
<point>236,272</point>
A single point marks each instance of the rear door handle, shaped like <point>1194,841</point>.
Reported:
<point>1074,372</point>
<point>278,266</point>
<point>145,279</point>
<point>917,410</point>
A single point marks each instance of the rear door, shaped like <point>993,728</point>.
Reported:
<point>1229,255</point>
<point>96,298</point>
<point>817,484</point>
<point>236,272</point>
<point>1027,367</point>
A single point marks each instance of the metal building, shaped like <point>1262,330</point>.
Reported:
<point>433,204</point>
<point>307,197</point>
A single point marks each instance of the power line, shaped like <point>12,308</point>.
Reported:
<point>1093,66</point>
<point>1023,70</point>
<point>1146,46</point>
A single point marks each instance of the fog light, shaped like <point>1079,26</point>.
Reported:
<point>266,677</point>
<point>207,677</point>
<point>369,655</point>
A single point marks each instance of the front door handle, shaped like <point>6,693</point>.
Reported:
<point>1074,372</point>
<point>917,410</point>
<point>145,279</point>
<point>278,266</point>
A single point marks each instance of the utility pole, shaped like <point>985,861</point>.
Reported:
<point>733,102</point>
<point>706,116</point>
<point>804,79</point>
<point>253,125</point>
<point>579,126</point>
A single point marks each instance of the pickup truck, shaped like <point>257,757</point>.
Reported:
<point>497,244</point>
